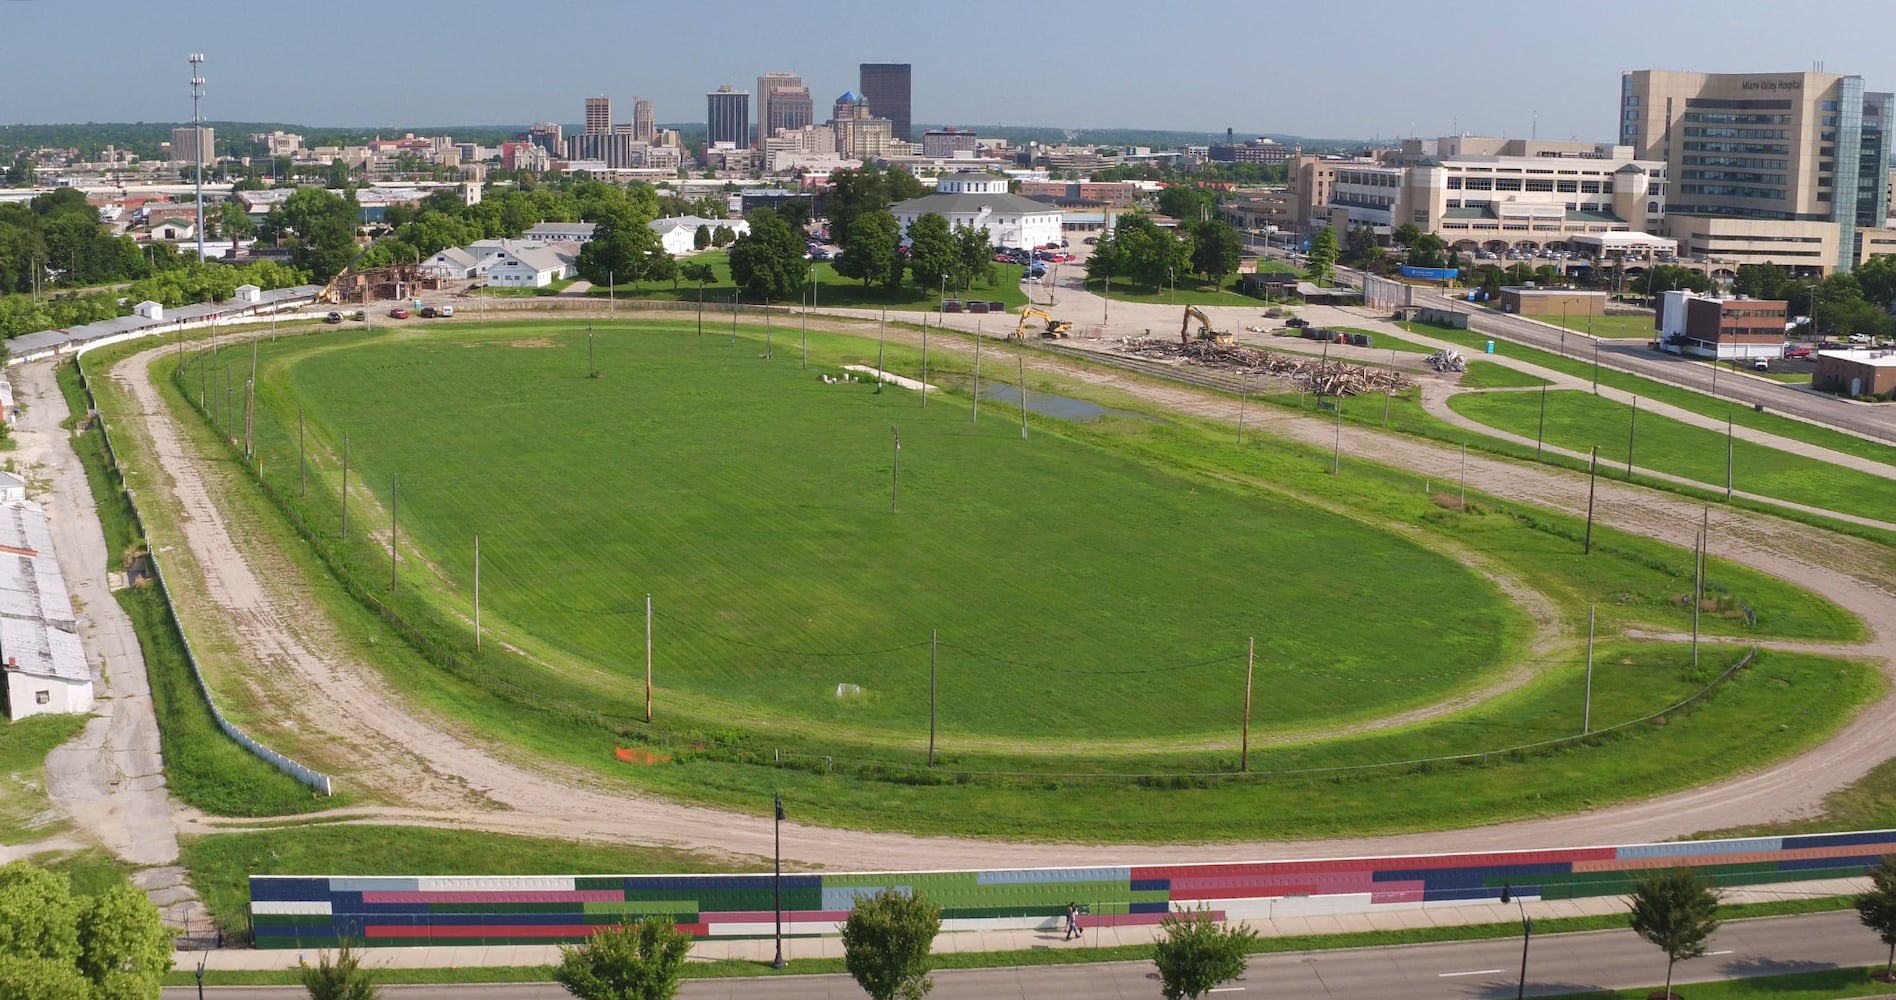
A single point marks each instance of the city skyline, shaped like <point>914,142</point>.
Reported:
<point>1387,77</point>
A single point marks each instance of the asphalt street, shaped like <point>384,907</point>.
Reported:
<point>1463,970</point>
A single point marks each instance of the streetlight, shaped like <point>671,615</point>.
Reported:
<point>778,884</point>
<point>1527,933</point>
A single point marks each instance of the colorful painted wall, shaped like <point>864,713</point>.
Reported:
<point>294,911</point>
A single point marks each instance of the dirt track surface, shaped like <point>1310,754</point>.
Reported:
<point>440,775</point>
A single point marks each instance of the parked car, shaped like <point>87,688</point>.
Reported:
<point>1762,364</point>
<point>427,312</point>
<point>1091,241</point>
<point>1797,351</point>
<point>445,311</point>
<point>398,313</point>
<point>360,316</point>
<point>334,317</point>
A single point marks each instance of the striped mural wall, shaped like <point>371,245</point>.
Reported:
<point>295,911</point>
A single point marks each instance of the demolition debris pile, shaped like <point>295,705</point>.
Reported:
<point>1325,377</point>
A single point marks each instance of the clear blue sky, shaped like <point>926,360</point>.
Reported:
<point>1369,68</point>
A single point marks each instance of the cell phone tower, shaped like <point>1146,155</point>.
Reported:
<point>197,143</point>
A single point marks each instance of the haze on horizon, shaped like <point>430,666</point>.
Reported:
<point>1377,69</point>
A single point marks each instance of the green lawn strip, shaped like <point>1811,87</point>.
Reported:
<point>1488,375</point>
<point>221,864</point>
<point>512,292</point>
<point>1190,292</point>
<point>1825,984</point>
<point>26,814</point>
<point>1008,809</point>
<point>1609,327</point>
<point>833,290</point>
<point>1387,341</point>
<point>1685,399</point>
<point>1079,955</point>
<point>1577,420</point>
<point>90,871</point>
<point>203,767</point>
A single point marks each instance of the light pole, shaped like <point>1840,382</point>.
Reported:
<point>197,144</point>
<point>777,884</point>
<point>1527,933</point>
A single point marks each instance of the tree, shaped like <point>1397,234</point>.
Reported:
<point>343,979</point>
<point>931,250</point>
<point>701,238</point>
<point>1667,277</point>
<point>113,946</point>
<point>853,194</point>
<point>122,941</point>
<point>640,961</point>
<point>23,172</point>
<point>886,944</point>
<point>974,256</point>
<point>699,272</point>
<point>870,253</point>
<point>723,236</point>
<point>1194,954</point>
<point>325,225</point>
<point>1677,911</point>
<point>1877,278</point>
<point>1877,909</point>
<point>1428,250</point>
<point>236,221</point>
<point>1188,203</point>
<point>768,261</point>
<point>623,248</point>
<point>1216,250</point>
<point>1323,254</point>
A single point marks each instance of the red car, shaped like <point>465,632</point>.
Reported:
<point>1797,351</point>
<point>398,313</point>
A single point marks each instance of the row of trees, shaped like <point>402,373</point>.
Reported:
<point>1139,249</point>
<point>57,237</point>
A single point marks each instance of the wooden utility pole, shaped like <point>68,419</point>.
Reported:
<point>302,463</point>
<point>895,469</point>
<point>1250,670</point>
<point>1023,397</point>
<point>394,528</point>
<point>976,418</point>
<point>1244,395</point>
<point>477,593</point>
<point>1729,454</point>
<point>592,370</point>
<point>733,319</point>
<point>1464,477</point>
<point>924,362</point>
<point>1632,429</point>
<point>1586,713</point>
<point>769,337</point>
<point>933,641</point>
<point>1593,475</point>
<point>345,486</point>
<point>1541,434</point>
<point>1336,453</point>
<point>883,318</point>
<point>648,658</point>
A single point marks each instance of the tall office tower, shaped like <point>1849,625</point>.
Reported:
<point>847,107</point>
<point>727,117</point>
<point>644,125</point>
<point>1787,168</point>
<point>886,87</point>
<point>187,141</point>
<point>598,116</point>
<point>791,108</point>
<point>765,85</point>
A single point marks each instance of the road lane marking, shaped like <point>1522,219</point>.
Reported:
<point>1226,989</point>
<point>1477,972</point>
<point>1725,952</point>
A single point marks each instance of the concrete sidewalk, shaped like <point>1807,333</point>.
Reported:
<point>1391,918</point>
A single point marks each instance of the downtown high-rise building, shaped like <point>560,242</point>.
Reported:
<point>644,121</point>
<point>1782,168</point>
<point>727,117</point>
<point>598,116</point>
<point>885,87</point>
<point>768,86</point>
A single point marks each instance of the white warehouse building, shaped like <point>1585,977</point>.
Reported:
<point>978,199</point>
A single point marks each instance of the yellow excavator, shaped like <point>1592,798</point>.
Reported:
<point>1205,332</point>
<point>1055,327</point>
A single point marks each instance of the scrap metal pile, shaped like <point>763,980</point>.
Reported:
<point>1329,378</point>
<point>1448,361</point>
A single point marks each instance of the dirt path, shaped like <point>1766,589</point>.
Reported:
<point>110,779</point>
<point>492,790</point>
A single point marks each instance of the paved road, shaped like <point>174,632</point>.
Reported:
<point>1565,963</point>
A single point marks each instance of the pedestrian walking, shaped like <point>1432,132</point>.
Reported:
<point>1073,922</point>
